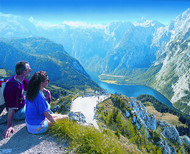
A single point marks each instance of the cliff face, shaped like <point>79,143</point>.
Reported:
<point>141,116</point>
<point>173,79</point>
<point>177,61</point>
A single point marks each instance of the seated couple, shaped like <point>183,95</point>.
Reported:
<point>35,108</point>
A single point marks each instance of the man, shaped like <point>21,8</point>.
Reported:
<point>14,95</point>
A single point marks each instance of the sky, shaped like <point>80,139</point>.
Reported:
<point>95,11</point>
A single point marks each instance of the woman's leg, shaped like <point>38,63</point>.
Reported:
<point>60,116</point>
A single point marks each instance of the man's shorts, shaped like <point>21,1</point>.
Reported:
<point>37,129</point>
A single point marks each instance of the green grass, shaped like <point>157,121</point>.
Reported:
<point>5,73</point>
<point>86,139</point>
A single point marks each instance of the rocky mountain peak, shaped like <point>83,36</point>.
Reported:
<point>143,22</point>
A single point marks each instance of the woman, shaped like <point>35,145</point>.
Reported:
<point>38,116</point>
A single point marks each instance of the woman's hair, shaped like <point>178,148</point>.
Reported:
<point>34,84</point>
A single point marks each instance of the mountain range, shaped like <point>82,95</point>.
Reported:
<point>148,51</point>
<point>43,54</point>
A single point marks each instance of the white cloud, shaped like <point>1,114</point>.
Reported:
<point>76,24</point>
<point>73,24</point>
<point>44,24</point>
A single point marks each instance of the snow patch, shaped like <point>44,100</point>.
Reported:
<point>77,24</point>
<point>87,106</point>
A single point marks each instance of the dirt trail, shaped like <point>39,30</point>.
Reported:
<point>23,142</point>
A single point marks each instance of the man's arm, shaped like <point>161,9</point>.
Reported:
<point>9,129</point>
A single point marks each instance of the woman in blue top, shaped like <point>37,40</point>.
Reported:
<point>38,117</point>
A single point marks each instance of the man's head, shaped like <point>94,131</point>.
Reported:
<point>23,68</point>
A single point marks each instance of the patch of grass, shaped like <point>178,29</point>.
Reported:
<point>172,119</point>
<point>109,81</point>
<point>5,73</point>
<point>86,139</point>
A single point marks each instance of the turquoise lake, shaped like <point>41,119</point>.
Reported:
<point>130,90</point>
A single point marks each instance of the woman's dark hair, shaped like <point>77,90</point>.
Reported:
<point>34,84</point>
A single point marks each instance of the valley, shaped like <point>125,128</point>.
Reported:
<point>146,52</point>
<point>124,85</point>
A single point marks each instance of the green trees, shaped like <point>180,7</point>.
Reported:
<point>113,117</point>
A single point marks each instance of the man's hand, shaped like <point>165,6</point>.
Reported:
<point>8,131</point>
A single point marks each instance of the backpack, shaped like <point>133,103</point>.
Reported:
<point>2,87</point>
<point>2,100</point>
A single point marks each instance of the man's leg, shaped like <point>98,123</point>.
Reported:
<point>20,114</point>
<point>2,119</point>
<point>2,108</point>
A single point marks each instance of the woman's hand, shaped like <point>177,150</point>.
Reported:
<point>49,117</point>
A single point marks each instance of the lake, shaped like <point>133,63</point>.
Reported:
<point>130,90</point>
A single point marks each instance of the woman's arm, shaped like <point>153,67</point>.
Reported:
<point>49,116</point>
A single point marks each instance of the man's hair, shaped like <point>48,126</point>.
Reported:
<point>20,67</point>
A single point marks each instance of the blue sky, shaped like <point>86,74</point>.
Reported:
<point>95,11</point>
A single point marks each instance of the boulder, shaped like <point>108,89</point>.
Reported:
<point>77,116</point>
<point>127,114</point>
<point>185,139</point>
<point>166,148</point>
<point>170,132</point>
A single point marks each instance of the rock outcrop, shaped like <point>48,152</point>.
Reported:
<point>77,116</point>
<point>168,135</point>
<point>170,132</point>
<point>141,115</point>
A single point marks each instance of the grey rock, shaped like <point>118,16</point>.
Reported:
<point>77,116</point>
<point>185,139</point>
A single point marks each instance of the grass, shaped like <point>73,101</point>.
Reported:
<point>86,139</point>
<point>55,87</point>
<point>170,118</point>
<point>5,73</point>
<point>109,81</point>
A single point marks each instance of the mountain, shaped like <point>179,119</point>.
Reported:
<point>43,54</point>
<point>15,26</point>
<point>91,45</point>
<point>134,45</point>
<point>171,32</point>
<point>166,60</point>
<point>173,79</point>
